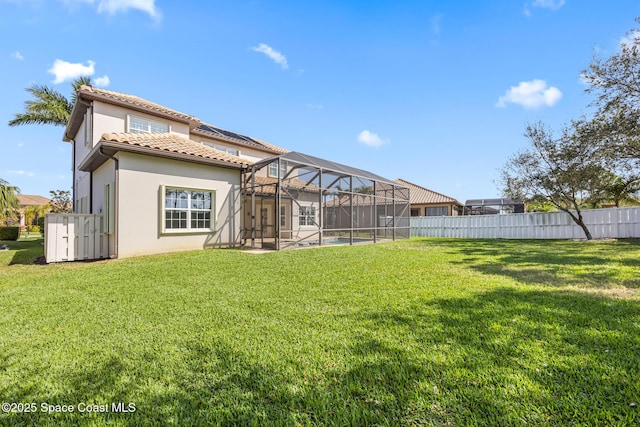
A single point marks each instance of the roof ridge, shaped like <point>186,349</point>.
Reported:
<point>428,189</point>
<point>135,100</point>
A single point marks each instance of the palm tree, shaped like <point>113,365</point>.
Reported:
<point>49,107</point>
<point>8,199</point>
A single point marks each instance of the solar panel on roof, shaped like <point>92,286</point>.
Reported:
<point>229,134</point>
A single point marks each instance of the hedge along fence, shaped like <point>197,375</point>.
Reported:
<point>9,233</point>
<point>603,223</point>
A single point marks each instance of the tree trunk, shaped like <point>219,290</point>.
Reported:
<point>587,233</point>
<point>578,220</point>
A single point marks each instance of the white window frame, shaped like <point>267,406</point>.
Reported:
<point>274,173</point>
<point>283,215</point>
<point>307,214</point>
<point>88,128</point>
<point>189,210</point>
<point>149,123</point>
<point>232,151</point>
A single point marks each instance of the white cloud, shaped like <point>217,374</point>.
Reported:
<point>21,173</point>
<point>548,4</point>
<point>544,4</point>
<point>64,71</point>
<point>17,55</point>
<point>315,106</point>
<point>531,95</point>
<point>275,56</point>
<point>369,138</point>
<point>114,6</point>
<point>102,81</point>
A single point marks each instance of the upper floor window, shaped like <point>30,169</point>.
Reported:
<point>273,170</point>
<point>224,149</point>
<point>138,125</point>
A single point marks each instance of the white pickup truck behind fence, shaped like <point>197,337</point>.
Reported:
<point>602,223</point>
<point>74,237</point>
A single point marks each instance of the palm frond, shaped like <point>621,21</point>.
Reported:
<point>48,106</point>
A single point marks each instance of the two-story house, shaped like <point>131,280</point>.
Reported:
<point>166,181</point>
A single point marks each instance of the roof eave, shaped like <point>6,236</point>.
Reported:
<point>73,125</point>
<point>106,149</point>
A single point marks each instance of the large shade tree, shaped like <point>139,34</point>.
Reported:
<point>563,171</point>
<point>615,83</point>
<point>48,106</point>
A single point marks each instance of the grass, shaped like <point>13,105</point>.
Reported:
<point>418,332</point>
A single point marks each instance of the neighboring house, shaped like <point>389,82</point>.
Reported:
<point>166,181</point>
<point>425,202</point>
<point>492,207</point>
<point>28,200</point>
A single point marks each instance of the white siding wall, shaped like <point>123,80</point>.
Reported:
<point>602,223</point>
<point>139,212</point>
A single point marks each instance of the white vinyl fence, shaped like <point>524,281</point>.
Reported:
<point>602,223</point>
<point>74,237</point>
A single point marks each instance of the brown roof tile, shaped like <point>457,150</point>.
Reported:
<point>421,195</point>
<point>135,102</point>
<point>173,143</point>
<point>32,200</point>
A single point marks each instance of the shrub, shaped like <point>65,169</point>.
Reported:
<point>41,225</point>
<point>9,233</point>
<point>33,229</point>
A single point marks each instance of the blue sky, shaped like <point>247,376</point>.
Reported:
<point>435,92</point>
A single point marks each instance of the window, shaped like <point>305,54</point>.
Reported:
<point>307,215</point>
<point>436,211</point>
<point>273,170</point>
<point>108,208</point>
<point>138,125</point>
<point>415,211</point>
<point>223,149</point>
<point>88,135</point>
<point>283,216</point>
<point>188,210</point>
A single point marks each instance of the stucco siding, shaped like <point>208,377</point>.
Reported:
<point>102,176</point>
<point>245,152</point>
<point>140,214</point>
<point>111,118</point>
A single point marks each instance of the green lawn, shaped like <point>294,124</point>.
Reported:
<point>418,332</point>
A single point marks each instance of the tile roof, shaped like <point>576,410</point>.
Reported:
<point>421,195</point>
<point>195,124</point>
<point>225,135</point>
<point>133,101</point>
<point>32,200</point>
<point>172,143</point>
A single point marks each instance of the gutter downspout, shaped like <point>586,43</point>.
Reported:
<point>115,200</point>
